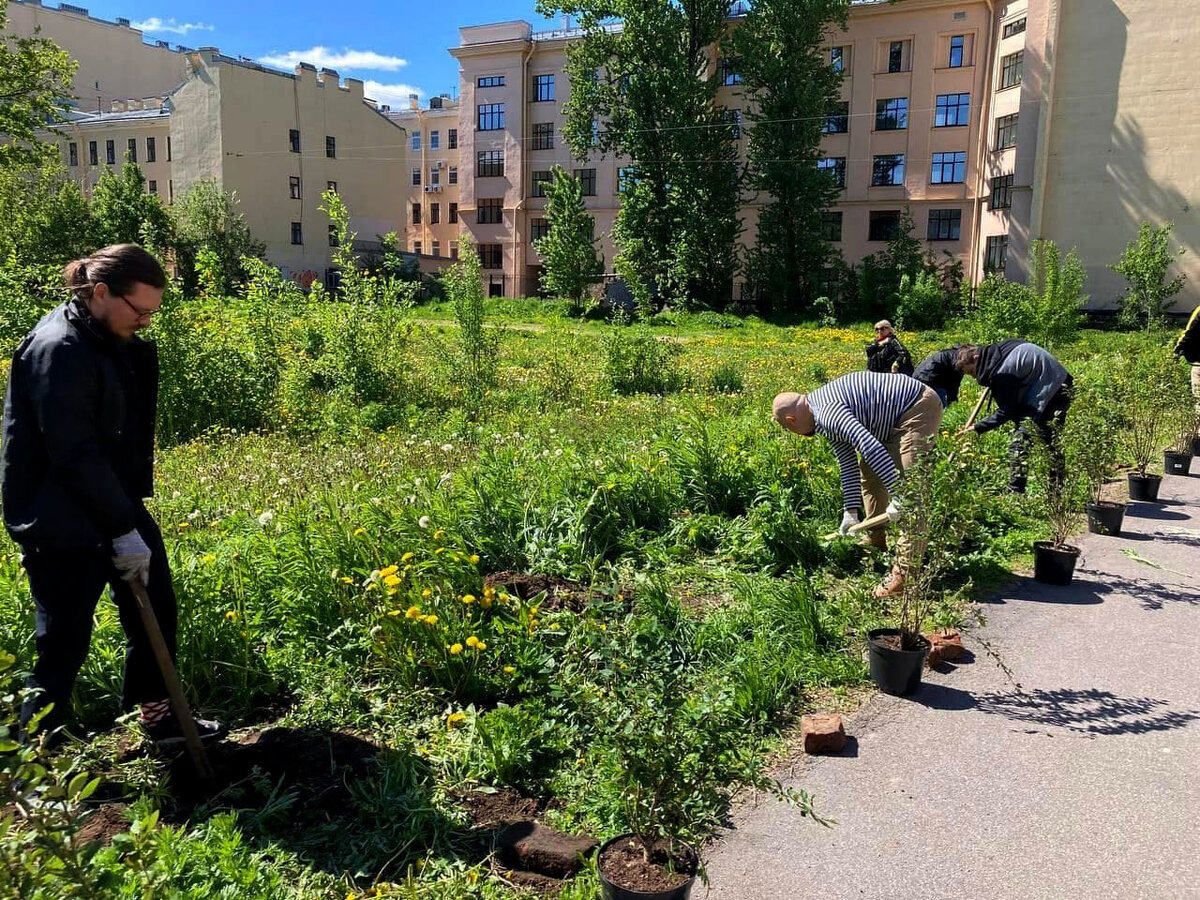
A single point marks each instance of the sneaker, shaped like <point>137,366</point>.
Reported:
<point>891,586</point>
<point>165,734</point>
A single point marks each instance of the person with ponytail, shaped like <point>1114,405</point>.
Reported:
<point>76,465</point>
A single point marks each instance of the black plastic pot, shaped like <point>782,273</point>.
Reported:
<point>895,672</point>
<point>1144,487</point>
<point>1105,517</point>
<point>1196,446</point>
<point>1054,565</point>
<point>610,891</point>
<point>1177,463</point>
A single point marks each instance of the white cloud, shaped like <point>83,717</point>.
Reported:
<point>324,58</point>
<point>170,26</point>
<point>394,95</point>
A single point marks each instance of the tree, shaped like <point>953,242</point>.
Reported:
<point>35,83</point>
<point>568,251</point>
<point>791,87</point>
<point>205,220</point>
<point>1144,264</point>
<point>47,219</point>
<point>125,213</point>
<point>647,92</point>
<point>882,271</point>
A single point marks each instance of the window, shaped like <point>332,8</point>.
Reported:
<point>895,56</point>
<point>835,166</point>
<point>435,177</point>
<point>151,150</point>
<point>453,179</point>
<point>888,169</point>
<point>490,81</point>
<point>831,225</point>
<point>595,142</point>
<point>293,187</point>
<point>453,252</point>
<point>435,213</point>
<point>297,233</point>
<point>168,148</point>
<point>435,140</point>
<point>1012,28</point>
<point>416,140</point>
<point>333,236</point>
<point>491,256</point>
<point>1001,192</point>
<point>417,247</point>
<point>72,154</point>
<point>490,117</point>
<point>944,224</point>
<point>949,168</point>
<point>626,178</point>
<point>952,110</point>
<point>294,140</point>
<point>543,88</point>
<point>884,225</point>
<point>997,253</point>
<point>330,147</point>
<point>416,213</point>
<point>837,59</point>
<point>452,139</point>
<point>734,118</point>
<point>1010,69</point>
<point>152,186</point>
<point>1006,132</point>
<point>838,120</point>
<point>331,186</point>
<point>170,191</point>
<point>587,178</point>
<point>452,214</point>
<point>93,159</point>
<point>957,47</point>
<point>543,136</point>
<point>538,229</point>
<point>436,249</point>
<point>726,73</point>
<point>131,152</point>
<point>416,175</point>
<point>891,115</point>
<point>540,179</point>
<point>110,152</point>
<point>489,163</point>
<point>490,211</point>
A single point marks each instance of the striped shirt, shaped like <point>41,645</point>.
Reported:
<point>858,412</point>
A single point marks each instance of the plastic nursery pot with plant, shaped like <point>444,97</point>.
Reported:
<point>1144,400</point>
<point>1060,500</point>
<point>936,522</point>
<point>1092,424</point>
<point>1177,460</point>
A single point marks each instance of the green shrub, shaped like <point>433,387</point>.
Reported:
<point>477,356</point>
<point>636,362</point>
<point>922,302</point>
<point>1047,311</point>
<point>726,379</point>
<point>1144,263</point>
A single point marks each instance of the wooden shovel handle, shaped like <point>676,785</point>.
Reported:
<point>872,522</point>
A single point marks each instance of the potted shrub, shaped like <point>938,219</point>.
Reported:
<point>1183,423</point>
<point>1061,504</point>
<point>1144,400</point>
<point>1093,432</point>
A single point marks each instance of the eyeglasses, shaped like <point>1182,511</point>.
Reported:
<point>884,328</point>
<point>143,315</point>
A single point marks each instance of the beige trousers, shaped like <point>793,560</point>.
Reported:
<point>913,434</point>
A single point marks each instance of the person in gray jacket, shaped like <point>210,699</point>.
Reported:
<point>76,463</point>
<point>1030,388</point>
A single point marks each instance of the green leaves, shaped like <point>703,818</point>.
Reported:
<point>570,263</point>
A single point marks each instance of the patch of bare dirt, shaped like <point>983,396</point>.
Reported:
<point>495,809</point>
<point>103,824</point>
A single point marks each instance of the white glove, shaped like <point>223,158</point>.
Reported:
<point>849,518</point>
<point>893,510</point>
<point>131,556</point>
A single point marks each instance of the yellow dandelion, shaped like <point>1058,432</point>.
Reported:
<point>508,670</point>
<point>468,599</point>
<point>438,534</point>
<point>485,602</point>
<point>394,612</point>
<point>475,643</point>
<point>346,579</point>
<point>407,556</point>
<point>391,580</point>
<point>184,525</point>
<point>428,592</point>
<point>359,531</point>
<point>413,612</point>
<point>473,559</point>
<point>389,570</point>
<point>231,615</point>
<point>430,619</point>
<point>456,649</point>
<point>208,559</point>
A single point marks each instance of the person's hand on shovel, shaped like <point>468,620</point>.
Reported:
<point>131,556</point>
<point>849,520</point>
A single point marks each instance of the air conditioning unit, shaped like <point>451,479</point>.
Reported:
<point>432,188</point>
<point>441,164</point>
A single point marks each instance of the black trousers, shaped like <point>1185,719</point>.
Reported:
<point>1047,425</point>
<point>66,586</point>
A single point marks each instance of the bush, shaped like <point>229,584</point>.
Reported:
<point>1144,263</point>
<point>726,379</point>
<point>1047,311</point>
<point>636,362</point>
<point>922,302</point>
<point>477,357</point>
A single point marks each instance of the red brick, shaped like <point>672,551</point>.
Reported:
<point>944,648</point>
<point>823,733</point>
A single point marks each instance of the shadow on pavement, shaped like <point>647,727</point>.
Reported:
<point>1079,592</point>
<point>1154,595</point>
<point>1154,511</point>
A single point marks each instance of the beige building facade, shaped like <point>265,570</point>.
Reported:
<point>431,197</point>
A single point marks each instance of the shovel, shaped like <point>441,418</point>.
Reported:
<point>179,703</point>
<point>983,397</point>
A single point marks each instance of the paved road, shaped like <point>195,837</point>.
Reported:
<point>1083,783</point>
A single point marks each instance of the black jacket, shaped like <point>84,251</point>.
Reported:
<point>78,432</point>
<point>882,356</point>
<point>937,370</point>
<point>1188,345</point>
<point>991,358</point>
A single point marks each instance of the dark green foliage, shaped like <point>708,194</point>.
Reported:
<point>636,362</point>
<point>35,85</point>
<point>206,219</point>
<point>125,213</point>
<point>570,263</point>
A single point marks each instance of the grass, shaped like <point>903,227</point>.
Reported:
<point>692,518</point>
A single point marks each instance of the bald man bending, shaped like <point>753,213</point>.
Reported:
<point>887,420</point>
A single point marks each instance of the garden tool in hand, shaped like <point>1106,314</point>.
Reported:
<point>874,521</point>
<point>983,397</point>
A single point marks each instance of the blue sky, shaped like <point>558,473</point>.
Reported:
<point>395,47</point>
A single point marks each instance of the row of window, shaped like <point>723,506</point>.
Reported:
<point>110,152</point>
<point>891,114</point>
<point>435,214</point>
<point>435,175</point>
<point>543,86</point>
<point>294,191</point>
<point>435,139</point>
<point>884,225</point>
<point>435,249</point>
<point>888,169</point>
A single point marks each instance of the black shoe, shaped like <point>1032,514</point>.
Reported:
<point>165,734</point>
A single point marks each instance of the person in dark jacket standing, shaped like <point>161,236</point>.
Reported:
<point>1188,346</point>
<point>886,353</point>
<point>75,466</point>
<point>939,370</point>
<point>1029,386</point>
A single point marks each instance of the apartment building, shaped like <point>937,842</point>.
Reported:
<point>993,124</point>
<point>277,139</point>
<point>431,199</point>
